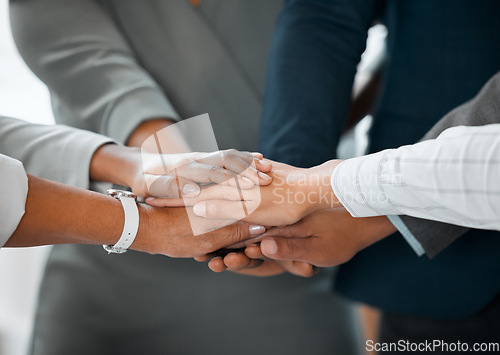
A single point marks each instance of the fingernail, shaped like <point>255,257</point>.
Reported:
<point>269,246</point>
<point>256,230</point>
<point>200,209</point>
<point>264,176</point>
<point>247,181</point>
<point>264,163</point>
<point>190,189</point>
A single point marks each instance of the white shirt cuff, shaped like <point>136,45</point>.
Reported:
<point>14,191</point>
<point>356,184</point>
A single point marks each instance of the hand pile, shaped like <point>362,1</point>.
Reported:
<point>296,224</point>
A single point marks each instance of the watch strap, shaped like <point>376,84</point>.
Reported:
<point>130,227</point>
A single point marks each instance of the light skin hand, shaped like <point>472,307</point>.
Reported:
<point>178,175</point>
<point>293,194</point>
<point>175,175</point>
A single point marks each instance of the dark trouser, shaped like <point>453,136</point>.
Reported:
<point>483,327</point>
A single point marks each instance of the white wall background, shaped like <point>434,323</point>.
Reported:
<point>22,95</point>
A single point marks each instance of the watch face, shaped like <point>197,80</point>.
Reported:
<point>121,193</point>
<point>111,249</point>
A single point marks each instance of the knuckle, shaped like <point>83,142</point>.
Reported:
<point>183,162</point>
<point>206,246</point>
<point>292,249</point>
<point>214,169</point>
<point>230,154</point>
<point>214,209</point>
<point>238,232</point>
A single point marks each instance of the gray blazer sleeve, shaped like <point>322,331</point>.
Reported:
<point>95,80</point>
<point>482,110</point>
<point>57,153</point>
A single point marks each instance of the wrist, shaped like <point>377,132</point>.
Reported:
<point>115,164</point>
<point>145,234</point>
<point>319,187</point>
<point>146,129</point>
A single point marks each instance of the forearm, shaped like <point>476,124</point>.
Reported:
<point>450,179</point>
<point>59,214</point>
<point>115,164</point>
<point>58,153</point>
<point>120,165</point>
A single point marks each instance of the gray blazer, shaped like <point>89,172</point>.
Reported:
<point>481,110</point>
<point>57,153</point>
<point>109,66</point>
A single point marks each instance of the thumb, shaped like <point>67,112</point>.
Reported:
<point>294,249</point>
<point>232,234</point>
<point>167,186</point>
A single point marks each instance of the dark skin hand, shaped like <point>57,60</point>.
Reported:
<point>324,238</point>
<point>251,261</point>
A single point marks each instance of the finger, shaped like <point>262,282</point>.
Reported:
<point>236,210</point>
<point>203,258</point>
<point>247,242</point>
<point>254,264</point>
<point>239,261</point>
<point>170,186</point>
<point>293,249</point>
<point>212,173</point>
<point>241,163</point>
<point>258,177</point>
<point>267,268</point>
<point>236,261</point>
<point>257,155</point>
<point>299,268</point>
<point>217,264</point>
<point>263,165</point>
<point>297,230</point>
<point>213,192</point>
<point>254,252</point>
<point>229,235</point>
<point>227,158</point>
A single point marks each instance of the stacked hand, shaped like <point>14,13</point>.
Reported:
<point>178,175</point>
<point>307,227</point>
<point>311,229</point>
<point>178,232</point>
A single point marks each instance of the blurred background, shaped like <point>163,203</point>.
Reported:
<point>22,95</point>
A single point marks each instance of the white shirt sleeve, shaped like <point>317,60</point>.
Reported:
<point>454,178</point>
<point>13,192</point>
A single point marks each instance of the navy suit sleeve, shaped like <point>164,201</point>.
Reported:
<point>316,47</point>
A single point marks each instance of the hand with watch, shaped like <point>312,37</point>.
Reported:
<point>172,175</point>
<point>60,214</point>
